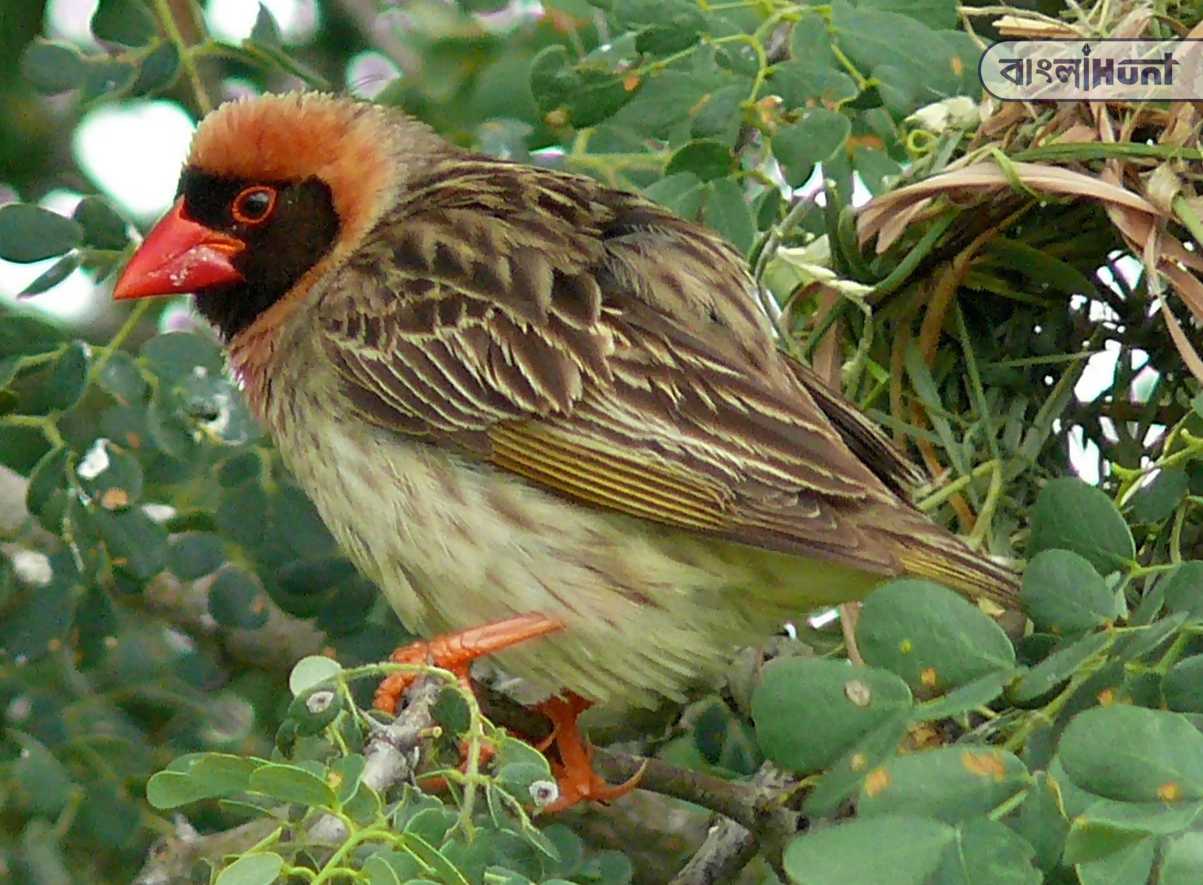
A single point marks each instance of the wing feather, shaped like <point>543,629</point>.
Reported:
<point>600,348</point>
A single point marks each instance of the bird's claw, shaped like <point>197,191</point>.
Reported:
<point>457,651</point>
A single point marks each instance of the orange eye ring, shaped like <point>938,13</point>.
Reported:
<point>254,205</point>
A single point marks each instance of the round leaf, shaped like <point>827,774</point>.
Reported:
<point>1183,686</point>
<point>260,868</point>
<point>193,555</point>
<point>898,850</point>
<point>52,67</point>
<point>1183,588</point>
<point>727,211</point>
<point>808,711</point>
<point>103,227</point>
<point>930,636</point>
<point>311,671</point>
<point>135,542</point>
<point>236,601</point>
<point>291,783</point>
<point>705,158</point>
<point>1071,515</point>
<point>31,233</point>
<point>951,784</point>
<point>1159,758</point>
<point>1064,594</point>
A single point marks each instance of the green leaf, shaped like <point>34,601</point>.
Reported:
<point>847,773</point>
<point>110,476</point>
<point>121,378</point>
<point>951,784</point>
<point>57,272</point>
<point>265,30</point>
<point>119,21</point>
<point>235,600</point>
<point>719,114</point>
<point>451,711</point>
<point>815,139</point>
<point>103,227</point>
<point>52,67</point>
<point>930,636</point>
<point>63,384</point>
<point>176,355</point>
<point>1042,822</point>
<point>988,852</point>
<point>310,672</point>
<point>805,81</point>
<point>1160,758</point>
<point>937,14</point>
<point>158,70</point>
<point>223,774</point>
<point>107,77</point>
<point>43,781</point>
<point>1056,668</point>
<point>135,542</point>
<point>290,783</point>
<point>1130,865</point>
<point>259,868</point>
<point>1182,588</point>
<point>171,789</point>
<point>681,193</point>
<point>1071,515</point>
<point>964,698</point>
<point>1160,498</point>
<point>1064,594</point>
<point>392,868</point>
<point>663,26</point>
<point>728,212</point>
<point>1183,860</point>
<point>589,91</point>
<point>193,555</point>
<point>48,477</point>
<point>31,233</point>
<point>898,850</point>
<point>1183,686</point>
<point>315,708</point>
<point>705,158</point>
<point>809,711</point>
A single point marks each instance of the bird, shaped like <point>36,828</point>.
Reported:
<point>547,417</point>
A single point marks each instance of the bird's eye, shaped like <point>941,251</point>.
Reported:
<point>254,204</point>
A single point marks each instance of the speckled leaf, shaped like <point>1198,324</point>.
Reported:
<point>930,636</point>
<point>119,484</point>
<point>235,600</point>
<point>1159,759</point>
<point>135,542</point>
<point>809,711</point>
<point>951,784</point>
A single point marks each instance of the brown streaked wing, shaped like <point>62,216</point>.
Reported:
<point>599,347</point>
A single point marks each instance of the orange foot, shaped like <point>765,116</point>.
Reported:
<point>457,651</point>
<point>574,772</point>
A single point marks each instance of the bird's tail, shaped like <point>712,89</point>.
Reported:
<point>945,558</point>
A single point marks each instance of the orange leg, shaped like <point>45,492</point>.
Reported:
<point>574,772</point>
<point>457,651</point>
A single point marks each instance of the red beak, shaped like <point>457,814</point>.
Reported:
<point>179,255</point>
